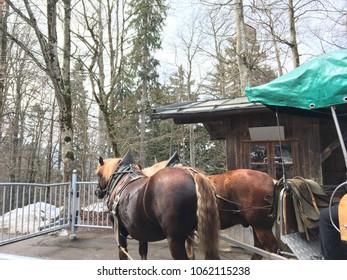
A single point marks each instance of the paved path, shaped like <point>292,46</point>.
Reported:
<point>95,244</point>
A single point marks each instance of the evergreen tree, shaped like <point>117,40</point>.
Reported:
<point>147,22</point>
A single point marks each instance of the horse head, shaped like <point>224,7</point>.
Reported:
<point>106,170</point>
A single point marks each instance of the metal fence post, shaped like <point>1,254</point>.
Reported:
<point>74,205</point>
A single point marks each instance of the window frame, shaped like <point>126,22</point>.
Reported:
<point>270,165</point>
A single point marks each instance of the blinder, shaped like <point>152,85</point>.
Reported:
<point>100,191</point>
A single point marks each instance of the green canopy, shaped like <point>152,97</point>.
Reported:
<point>319,83</point>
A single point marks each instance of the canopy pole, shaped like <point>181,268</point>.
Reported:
<point>280,142</point>
<point>342,143</point>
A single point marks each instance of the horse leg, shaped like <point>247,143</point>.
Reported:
<point>123,243</point>
<point>190,246</point>
<point>257,244</point>
<point>266,240</point>
<point>177,249</point>
<point>121,238</point>
<point>143,250</point>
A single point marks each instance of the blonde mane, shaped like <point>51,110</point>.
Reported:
<point>149,171</point>
<point>108,167</point>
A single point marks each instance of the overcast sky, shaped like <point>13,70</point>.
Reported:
<point>178,15</point>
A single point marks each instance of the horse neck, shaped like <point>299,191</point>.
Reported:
<point>149,171</point>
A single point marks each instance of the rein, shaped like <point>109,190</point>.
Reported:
<point>249,208</point>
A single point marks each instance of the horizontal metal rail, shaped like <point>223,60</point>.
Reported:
<point>252,249</point>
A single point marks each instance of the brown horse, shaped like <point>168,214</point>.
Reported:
<point>243,198</point>
<point>171,204</point>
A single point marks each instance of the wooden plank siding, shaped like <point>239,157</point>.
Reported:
<point>304,133</point>
<point>315,150</point>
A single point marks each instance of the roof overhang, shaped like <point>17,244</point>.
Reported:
<point>204,111</point>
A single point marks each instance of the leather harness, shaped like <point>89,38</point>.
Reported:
<point>117,184</point>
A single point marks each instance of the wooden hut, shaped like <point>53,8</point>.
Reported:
<point>260,138</point>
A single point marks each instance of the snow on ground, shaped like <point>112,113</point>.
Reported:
<point>31,218</point>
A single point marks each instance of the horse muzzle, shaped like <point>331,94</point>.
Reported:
<point>100,193</point>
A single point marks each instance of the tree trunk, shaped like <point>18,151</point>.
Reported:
<point>50,148</point>
<point>241,48</point>
<point>293,41</point>
<point>68,154</point>
<point>101,78</point>
<point>144,94</point>
<point>59,78</point>
<point>277,52</point>
<point>15,147</point>
<point>4,12</point>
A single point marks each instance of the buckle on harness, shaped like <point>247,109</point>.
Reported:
<point>115,204</point>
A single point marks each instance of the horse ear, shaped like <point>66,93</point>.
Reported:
<point>127,159</point>
<point>101,161</point>
<point>175,159</point>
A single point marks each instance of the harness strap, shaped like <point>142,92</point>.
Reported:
<point>248,208</point>
<point>118,178</point>
<point>116,233</point>
<point>314,203</point>
<point>123,184</point>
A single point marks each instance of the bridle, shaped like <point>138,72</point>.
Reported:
<point>116,176</point>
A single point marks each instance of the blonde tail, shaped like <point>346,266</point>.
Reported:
<point>208,216</point>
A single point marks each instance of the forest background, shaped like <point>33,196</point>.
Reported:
<point>79,79</point>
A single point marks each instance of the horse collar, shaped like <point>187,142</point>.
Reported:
<point>118,183</point>
<point>117,175</point>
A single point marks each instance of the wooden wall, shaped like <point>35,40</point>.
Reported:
<point>306,132</point>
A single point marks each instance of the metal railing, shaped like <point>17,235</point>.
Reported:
<point>87,210</point>
<point>27,210</point>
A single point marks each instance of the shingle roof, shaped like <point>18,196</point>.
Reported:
<point>225,106</point>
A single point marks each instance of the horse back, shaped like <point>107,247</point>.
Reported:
<point>243,190</point>
<point>170,198</point>
<point>243,182</point>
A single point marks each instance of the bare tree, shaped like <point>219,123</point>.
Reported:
<point>190,41</point>
<point>4,13</point>
<point>219,28</point>
<point>59,75</point>
<point>241,47</point>
<point>108,84</point>
<point>293,44</point>
<point>299,28</point>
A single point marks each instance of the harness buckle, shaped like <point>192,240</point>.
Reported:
<point>115,204</point>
